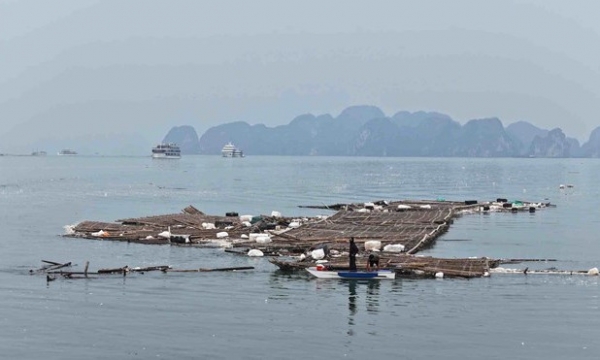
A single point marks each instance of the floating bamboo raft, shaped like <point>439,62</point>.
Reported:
<point>405,265</point>
<point>414,230</point>
<point>413,224</point>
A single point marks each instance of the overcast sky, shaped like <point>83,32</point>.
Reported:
<point>133,69</point>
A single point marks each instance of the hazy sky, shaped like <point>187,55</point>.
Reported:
<point>101,70</point>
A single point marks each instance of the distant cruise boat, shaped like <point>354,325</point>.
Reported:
<point>230,151</point>
<point>166,151</point>
<point>67,152</point>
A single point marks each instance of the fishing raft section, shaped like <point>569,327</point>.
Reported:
<point>396,230</point>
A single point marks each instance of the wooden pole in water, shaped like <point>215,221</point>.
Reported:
<point>51,262</point>
<point>210,270</point>
<point>229,268</point>
<point>85,271</point>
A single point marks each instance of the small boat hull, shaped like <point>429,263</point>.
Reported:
<point>365,275</point>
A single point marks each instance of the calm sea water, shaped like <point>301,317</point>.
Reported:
<point>267,314</point>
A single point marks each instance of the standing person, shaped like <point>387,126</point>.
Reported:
<point>352,254</point>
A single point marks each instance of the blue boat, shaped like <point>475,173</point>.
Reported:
<point>323,273</point>
<point>357,275</point>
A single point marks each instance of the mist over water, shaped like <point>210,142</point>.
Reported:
<point>268,314</point>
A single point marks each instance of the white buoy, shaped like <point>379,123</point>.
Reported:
<point>317,254</point>
<point>255,252</point>
<point>394,248</point>
<point>253,236</point>
<point>593,271</point>
<point>98,233</point>
<point>439,275</point>
<point>263,239</point>
<point>208,226</point>
<point>165,234</point>
<point>245,218</point>
<point>371,245</point>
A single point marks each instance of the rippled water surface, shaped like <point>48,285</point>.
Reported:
<point>267,314</point>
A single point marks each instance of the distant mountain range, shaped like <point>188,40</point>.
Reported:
<point>366,131</point>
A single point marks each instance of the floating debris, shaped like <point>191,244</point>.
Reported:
<point>53,270</point>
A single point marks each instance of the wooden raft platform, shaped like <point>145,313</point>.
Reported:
<point>413,224</point>
<point>404,265</point>
<point>415,229</point>
<point>188,223</point>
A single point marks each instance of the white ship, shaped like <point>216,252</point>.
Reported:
<point>166,151</point>
<point>67,152</point>
<point>230,151</point>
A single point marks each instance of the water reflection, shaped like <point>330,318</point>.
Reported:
<point>351,305</point>
<point>165,164</point>
<point>371,291</point>
<point>373,296</point>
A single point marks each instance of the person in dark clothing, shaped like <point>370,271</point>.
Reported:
<point>373,262</point>
<point>352,254</point>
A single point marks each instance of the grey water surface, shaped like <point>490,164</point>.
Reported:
<point>266,314</point>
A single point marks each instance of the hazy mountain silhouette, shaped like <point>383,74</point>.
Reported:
<point>592,147</point>
<point>367,131</point>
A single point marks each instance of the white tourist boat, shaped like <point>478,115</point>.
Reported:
<point>323,273</point>
<point>67,152</point>
<point>230,151</point>
<point>166,151</point>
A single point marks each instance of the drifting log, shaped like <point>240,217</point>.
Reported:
<point>230,268</point>
<point>123,270</point>
<point>76,276</point>
<point>60,266</point>
<point>54,266</point>
<point>51,262</point>
<point>150,268</point>
<point>516,261</point>
<point>210,270</point>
